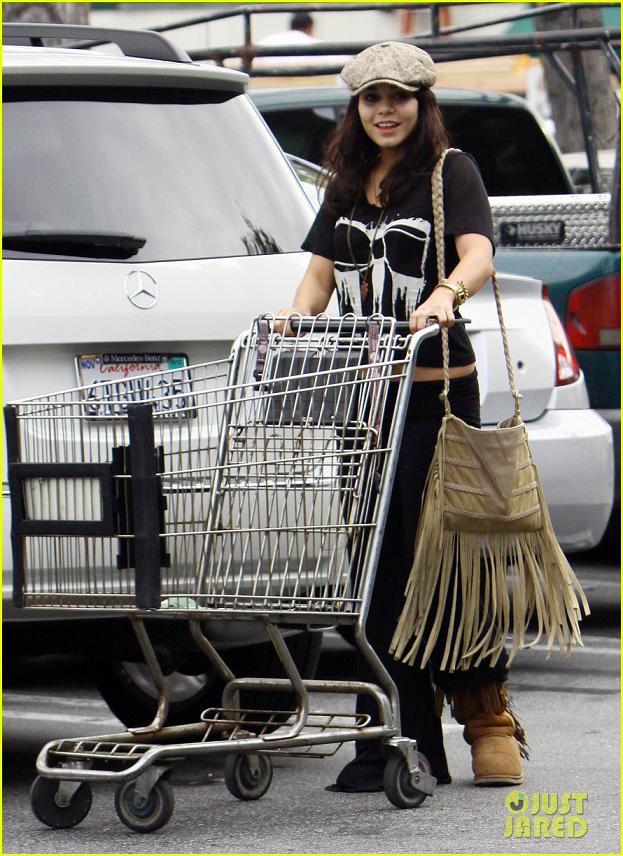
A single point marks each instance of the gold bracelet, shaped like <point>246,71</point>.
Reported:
<point>461,294</point>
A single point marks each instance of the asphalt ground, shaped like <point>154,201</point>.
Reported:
<point>570,708</point>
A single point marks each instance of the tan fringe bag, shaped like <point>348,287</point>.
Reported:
<point>484,519</point>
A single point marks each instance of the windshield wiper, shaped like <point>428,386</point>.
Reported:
<point>110,245</point>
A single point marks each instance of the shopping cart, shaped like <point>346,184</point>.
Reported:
<point>254,488</point>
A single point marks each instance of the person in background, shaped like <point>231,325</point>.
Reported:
<point>301,32</point>
<point>372,242</point>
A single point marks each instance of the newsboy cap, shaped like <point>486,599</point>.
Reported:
<point>397,63</point>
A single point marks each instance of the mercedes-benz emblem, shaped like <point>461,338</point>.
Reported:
<point>141,289</point>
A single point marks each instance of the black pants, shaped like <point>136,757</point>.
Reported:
<point>415,685</point>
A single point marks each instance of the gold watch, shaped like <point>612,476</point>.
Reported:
<point>459,288</point>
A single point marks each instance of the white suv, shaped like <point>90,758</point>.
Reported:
<point>149,216</point>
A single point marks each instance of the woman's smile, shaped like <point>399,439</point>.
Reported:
<point>387,126</point>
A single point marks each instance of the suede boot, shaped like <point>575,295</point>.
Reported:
<point>493,732</point>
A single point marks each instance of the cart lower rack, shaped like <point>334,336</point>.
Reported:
<point>254,488</point>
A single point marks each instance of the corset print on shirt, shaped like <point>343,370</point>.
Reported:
<point>399,246</point>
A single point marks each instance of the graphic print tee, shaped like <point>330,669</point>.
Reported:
<point>385,259</point>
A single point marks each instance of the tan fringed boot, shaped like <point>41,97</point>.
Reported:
<point>493,732</point>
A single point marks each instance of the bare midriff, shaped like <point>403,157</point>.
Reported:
<point>423,373</point>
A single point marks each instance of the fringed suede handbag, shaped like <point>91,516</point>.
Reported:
<point>484,527</point>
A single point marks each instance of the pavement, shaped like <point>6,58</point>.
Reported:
<point>570,707</point>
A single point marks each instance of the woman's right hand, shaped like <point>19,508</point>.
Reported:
<point>313,294</point>
<point>282,326</point>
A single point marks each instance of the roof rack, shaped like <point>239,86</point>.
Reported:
<point>145,44</point>
<point>440,41</point>
<point>441,49</point>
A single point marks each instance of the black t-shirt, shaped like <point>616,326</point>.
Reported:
<point>385,259</point>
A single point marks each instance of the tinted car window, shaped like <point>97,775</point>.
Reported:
<point>301,132</point>
<point>145,175</point>
<point>514,156</point>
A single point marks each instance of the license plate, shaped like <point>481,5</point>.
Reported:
<point>113,381</point>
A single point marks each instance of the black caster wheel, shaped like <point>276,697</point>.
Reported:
<point>53,810</point>
<point>145,816</point>
<point>399,789</point>
<point>248,777</point>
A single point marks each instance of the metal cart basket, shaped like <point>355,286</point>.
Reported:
<point>253,488</point>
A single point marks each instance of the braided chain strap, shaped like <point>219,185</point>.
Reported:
<point>438,224</point>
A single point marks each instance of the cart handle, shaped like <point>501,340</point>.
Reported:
<point>350,325</point>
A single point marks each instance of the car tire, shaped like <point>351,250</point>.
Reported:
<point>131,695</point>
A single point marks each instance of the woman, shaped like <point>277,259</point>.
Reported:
<point>373,241</point>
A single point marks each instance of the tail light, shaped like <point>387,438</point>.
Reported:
<point>594,314</point>
<point>567,368</point>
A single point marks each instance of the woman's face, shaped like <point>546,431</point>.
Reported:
<point>388,114</point>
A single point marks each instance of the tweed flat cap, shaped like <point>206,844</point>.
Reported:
<point>397,63</point>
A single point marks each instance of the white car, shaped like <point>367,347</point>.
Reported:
<point>149,216</point>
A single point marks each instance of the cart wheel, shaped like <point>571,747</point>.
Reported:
<point>47,808</point>
<point>397,783</point>
<point>245,780</point>
<point>153,815</point>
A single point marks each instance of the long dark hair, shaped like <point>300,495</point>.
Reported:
<point>350,155</point>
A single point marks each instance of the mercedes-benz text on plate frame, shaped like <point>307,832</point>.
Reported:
<point>141,289</point>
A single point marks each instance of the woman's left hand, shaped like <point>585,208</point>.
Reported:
<point>439,305</point>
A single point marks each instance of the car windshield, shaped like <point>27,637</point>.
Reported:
<point>144,175</point>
